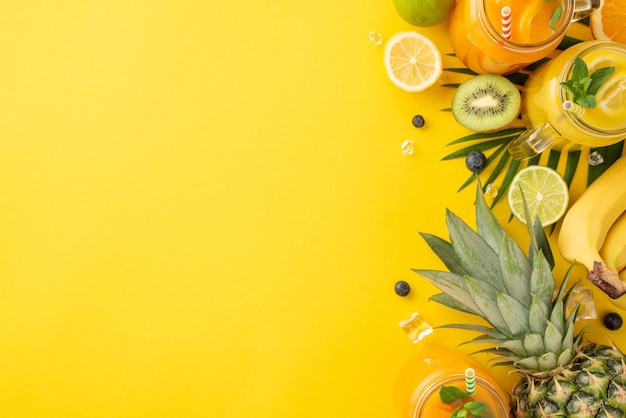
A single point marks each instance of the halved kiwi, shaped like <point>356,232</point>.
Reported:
<point>486,103</point>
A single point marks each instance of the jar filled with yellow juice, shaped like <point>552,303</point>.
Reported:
<point>418,385</point>
<point>503,36</point>
<point>549,109</point>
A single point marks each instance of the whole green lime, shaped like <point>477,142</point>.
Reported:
<point>424,12</point>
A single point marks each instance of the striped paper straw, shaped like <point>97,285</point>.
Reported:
<point>506,22</point>
<point>470,380</point>
<point>572,107</point>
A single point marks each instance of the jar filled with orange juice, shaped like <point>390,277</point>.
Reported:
<point>503,36</point>
<point>550,113</point>
<point>418,385</point>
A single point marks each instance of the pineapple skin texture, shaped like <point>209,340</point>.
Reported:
<point>594,386</point>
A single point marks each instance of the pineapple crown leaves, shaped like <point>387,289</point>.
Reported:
<point>490,276</point>
<point>538,239</point>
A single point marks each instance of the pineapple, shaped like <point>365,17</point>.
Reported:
<point>490,276</point>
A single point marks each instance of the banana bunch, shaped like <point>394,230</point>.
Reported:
<point>613,252</point>
<point>593,232</point>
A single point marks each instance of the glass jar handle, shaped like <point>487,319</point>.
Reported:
<point>533,141</point>
<point>583,8</point>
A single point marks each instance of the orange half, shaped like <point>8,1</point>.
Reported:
<point>607,22</point>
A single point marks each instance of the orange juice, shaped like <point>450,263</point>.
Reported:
<point>551,125</point>
<point>416,392</point>
<point>530,20</point>
<point>537,27</point>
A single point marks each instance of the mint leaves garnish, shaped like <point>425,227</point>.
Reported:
<point>469,410</point>
<point>450,394</point>
<point>556,16</point>
<point>583,86</point>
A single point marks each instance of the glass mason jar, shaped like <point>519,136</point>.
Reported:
<point>536,27</point>
<point>552,118</point>
<point>416,392</point>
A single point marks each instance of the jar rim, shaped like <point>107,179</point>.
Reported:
<point>496,36</point>
<point>432,388</point>
<point>589,47</point>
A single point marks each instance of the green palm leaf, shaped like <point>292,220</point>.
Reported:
<point>609,154</point>
<point>498,141</point>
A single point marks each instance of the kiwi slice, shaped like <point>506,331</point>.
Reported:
<point>486,103</point>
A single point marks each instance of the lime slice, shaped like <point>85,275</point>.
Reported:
<point>412,61</point>
<point>545,191</point>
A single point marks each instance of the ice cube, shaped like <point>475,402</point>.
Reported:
<point>416,327</point>
<point>407,147</point>
<point>587,309</point>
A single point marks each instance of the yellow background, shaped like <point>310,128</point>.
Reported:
<point>204,208</point>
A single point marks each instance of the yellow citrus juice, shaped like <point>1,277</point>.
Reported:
<point>543,97</point>
<point>536,29</point>
<point>416,392</point>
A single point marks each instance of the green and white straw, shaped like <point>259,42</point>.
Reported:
<point>470,380</point>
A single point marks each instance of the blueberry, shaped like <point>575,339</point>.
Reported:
<point>418,121</point>
<point>613,321</point>
<point>402,288</point>
<point>475,161</point>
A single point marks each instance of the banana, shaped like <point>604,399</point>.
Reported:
<point>587,222</point>
<point>613,251</point>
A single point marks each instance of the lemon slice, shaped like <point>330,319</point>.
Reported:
<point>597,61</point>
<point>545,192</point>
<point>412,61</point>
<point>611,97</point>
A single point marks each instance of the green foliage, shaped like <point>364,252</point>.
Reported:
<point>609,154</point>
<point>449,394</point>
<point>495,144</point>
<point>556,16</point>
<point>583,86</point>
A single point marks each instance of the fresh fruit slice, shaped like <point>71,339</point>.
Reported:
<point>424,12</point>
<point>490,65</point>
<point>545,192</point>
<point>597,60</point>
<point>486,103</point>
<point>607,22</point>
<point>412,61</point>
<point>611,97</point>
<point>534,22</point>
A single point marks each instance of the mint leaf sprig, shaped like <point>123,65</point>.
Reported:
<point>583,86</point>
<point>556,14</point>
<point>450,394</point>
<point>469,410</point>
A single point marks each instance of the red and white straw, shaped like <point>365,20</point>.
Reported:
<point>506,22</point>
